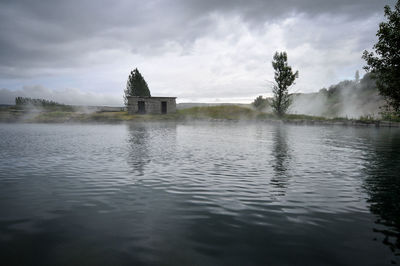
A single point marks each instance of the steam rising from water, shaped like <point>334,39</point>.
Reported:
<point>350,99</point>
<point>65,96</point>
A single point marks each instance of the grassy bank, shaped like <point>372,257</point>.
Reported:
<point>210,113</point>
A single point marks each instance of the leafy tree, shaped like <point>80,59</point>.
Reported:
<point>284,78</point>
<point>260,103</point>
<point>384,64</point>
<point>136,86</point>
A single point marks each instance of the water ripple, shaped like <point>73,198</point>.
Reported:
<point>219,194</point>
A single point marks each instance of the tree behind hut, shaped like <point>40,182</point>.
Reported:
<point>284,78</point>
<point>136,86</point>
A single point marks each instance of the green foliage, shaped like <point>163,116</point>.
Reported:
<point>284,78</point>
<point>136,86</point>
<point>34,102</point>
<point>260,103</point>
<point>25,102</point>
<point>384,64</point>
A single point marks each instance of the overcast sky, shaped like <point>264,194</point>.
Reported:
<point>81,52</point>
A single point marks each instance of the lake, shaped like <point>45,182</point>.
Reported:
<point>199,194</point>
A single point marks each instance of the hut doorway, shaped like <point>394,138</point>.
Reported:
<point>163,107</point>
<point>141,107</point>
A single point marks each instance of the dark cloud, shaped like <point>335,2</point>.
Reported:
<point>260,10</point>
<point>61,34</point>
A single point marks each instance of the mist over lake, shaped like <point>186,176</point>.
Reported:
<point>197,193</point>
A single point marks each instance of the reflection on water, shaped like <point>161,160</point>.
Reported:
<point>281,159</point>
<point>383,187</point>
<point>150,143</point>
<point>198,194</point>
<point>138,142</point>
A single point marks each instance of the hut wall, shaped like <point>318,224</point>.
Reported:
<point>152,104</point>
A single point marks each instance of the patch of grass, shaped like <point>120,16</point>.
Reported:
<point>367,119</point>
<point>303,117</point>
<point>229,112</point>
<point>124,116</point>
<point>56,116</point>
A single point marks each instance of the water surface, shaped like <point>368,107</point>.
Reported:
<point>199,194</point>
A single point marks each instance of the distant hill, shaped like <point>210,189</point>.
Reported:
<point>346,99</point>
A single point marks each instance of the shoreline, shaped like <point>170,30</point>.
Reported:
<point>300,122</point>
<point>197,114</point>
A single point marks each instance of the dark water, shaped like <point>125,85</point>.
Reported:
<point>199,194</point>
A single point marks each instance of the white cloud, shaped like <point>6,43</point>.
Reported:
<point>65,96</point>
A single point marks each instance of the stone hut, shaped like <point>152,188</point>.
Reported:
<point>151,105</point>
